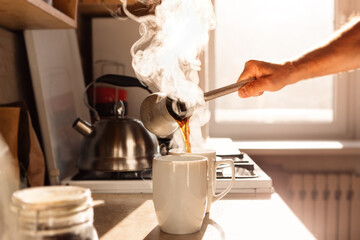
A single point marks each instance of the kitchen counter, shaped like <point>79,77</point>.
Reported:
<point>237,216</point>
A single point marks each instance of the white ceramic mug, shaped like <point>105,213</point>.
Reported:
<point>212,166</point>
<point>180,192</point>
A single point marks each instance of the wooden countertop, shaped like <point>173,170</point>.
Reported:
<point>237,216</point>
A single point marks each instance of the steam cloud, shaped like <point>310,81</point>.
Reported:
<point>167,54</point>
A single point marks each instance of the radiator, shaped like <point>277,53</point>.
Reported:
<point>328,204</point>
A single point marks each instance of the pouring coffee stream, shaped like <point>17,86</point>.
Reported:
<point>162,115</point>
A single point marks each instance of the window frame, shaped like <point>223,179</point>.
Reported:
<point>346,124</point>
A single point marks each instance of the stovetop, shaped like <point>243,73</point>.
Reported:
<point>244,168</point>
<point>249,179</point>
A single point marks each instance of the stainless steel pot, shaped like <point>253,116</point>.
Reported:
<point>159,113</point>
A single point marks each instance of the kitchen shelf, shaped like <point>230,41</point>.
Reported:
<point>37,14</point>
<point>98,8</point>
<point>103,8</point>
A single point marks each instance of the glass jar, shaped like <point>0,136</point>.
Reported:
<point>55,213</point>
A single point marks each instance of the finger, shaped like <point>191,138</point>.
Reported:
<point>242,92</point>
<point>252,89</point>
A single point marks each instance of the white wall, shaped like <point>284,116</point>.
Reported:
<point>112,39</point>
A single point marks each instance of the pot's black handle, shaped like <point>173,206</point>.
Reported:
<point>122,81</point>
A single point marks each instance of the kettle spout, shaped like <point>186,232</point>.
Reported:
<point>83,127</point>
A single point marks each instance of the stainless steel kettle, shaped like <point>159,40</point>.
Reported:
<point>119,143</point>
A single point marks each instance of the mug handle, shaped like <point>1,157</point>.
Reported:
<point>223,193</point>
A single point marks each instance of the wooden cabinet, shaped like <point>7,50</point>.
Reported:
<point>37,14</point>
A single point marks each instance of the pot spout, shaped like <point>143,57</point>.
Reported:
<point>83,127</point>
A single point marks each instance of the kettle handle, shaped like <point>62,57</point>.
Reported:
<point>115,80</point>
<point>122,81</point>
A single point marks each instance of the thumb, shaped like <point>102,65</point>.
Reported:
<point>245,75</point>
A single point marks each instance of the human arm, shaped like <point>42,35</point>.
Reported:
<point>341,53</point>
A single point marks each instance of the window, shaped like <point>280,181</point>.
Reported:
<point>276,31</point>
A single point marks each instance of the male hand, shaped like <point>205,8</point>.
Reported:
<point>268,77</point>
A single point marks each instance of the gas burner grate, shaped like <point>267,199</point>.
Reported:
<point>99,175</point>
<point>243,168</point>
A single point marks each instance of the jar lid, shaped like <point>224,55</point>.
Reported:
<point>52,210</point>
<point>50,197</point>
